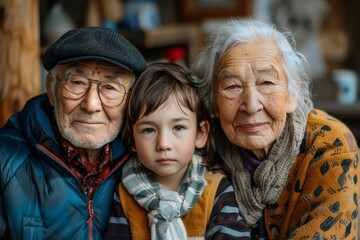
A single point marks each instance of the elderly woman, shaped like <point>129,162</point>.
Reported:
<point>295,168</point>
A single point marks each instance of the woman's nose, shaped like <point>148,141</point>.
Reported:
<point>250,101</point>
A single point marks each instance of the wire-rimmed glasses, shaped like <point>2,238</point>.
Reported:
<point>111,93</point>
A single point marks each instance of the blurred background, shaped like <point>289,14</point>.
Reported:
<point>327,32</point>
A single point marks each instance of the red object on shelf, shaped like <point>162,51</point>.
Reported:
<point>175,54</point>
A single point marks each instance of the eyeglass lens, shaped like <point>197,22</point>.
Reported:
<point>111,93</point>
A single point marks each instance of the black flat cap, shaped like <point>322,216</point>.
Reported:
<point>94,43</point>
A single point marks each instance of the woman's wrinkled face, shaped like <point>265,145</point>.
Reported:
<point>251,95</point>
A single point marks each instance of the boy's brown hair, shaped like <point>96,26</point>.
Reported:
<point>154,86</point>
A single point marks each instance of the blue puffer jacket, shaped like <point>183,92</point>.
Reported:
<point>40,197</point>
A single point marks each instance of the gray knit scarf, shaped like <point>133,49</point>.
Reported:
<point>271,175</point>
<point>165,208</point>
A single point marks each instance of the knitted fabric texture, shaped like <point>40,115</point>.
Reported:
<point>271,175</point>
<point>165,208</point>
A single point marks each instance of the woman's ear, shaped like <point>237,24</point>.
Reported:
<point>216,112</point>
<point>202,134</point>
<point>292,99</point>
<point>49,89</point>
<point>291,104</point>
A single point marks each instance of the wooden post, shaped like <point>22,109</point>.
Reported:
<point>20,70</point>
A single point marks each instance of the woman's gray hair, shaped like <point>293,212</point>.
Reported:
<point>237,31</point>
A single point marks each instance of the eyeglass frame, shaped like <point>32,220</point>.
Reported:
<point>60,79</point>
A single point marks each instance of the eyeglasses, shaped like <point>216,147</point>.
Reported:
<point>111,94</point>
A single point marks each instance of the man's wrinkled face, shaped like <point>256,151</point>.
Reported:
<point>251,95</point>
<point>86,122</point>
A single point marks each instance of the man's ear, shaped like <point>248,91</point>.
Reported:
<point>49,89</point>
<point>202,134</point>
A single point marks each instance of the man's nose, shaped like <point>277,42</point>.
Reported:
<point>91,101</point>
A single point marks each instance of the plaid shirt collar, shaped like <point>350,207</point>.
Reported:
<point>90,175</point>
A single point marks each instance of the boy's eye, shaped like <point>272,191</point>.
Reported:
<point>178,128</point>
<point>148,130</point>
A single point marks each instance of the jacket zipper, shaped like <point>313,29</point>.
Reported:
<point>89,221</point>
<point>90,202</point>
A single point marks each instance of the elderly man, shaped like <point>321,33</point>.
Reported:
<point>60,156</point>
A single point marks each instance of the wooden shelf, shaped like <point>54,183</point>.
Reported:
<point>167,36</point>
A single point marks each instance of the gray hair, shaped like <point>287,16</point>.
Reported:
<point>237,31</point>
<point>53,73</point>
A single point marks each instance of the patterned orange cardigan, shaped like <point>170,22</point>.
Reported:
<point>320,199</point>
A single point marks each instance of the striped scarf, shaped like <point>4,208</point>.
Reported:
<point>165,208</point>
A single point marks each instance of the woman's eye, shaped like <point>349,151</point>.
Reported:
<point>267,83</point>
<point>267,86</point>
<point>231,83</point>
<point>232,87</point>
<point>233,90</point>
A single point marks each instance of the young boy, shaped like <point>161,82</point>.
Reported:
<point>166,190</point>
